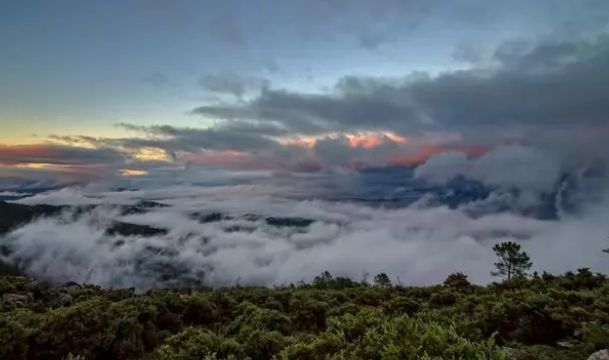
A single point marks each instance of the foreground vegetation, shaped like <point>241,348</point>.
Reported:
<point>546,317</point>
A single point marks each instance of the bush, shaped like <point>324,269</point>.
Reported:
<point>328,320</point>
<point>13,339</point>
<point>197,344</point>
<point>596,336</point>
<point>457,280</point>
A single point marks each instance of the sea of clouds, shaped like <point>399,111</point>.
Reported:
<point>417,244</point>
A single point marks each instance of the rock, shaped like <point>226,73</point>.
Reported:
<point>600,355</point>
<point>567,344</point>
<point>515,354</point>
<point>15,299</point>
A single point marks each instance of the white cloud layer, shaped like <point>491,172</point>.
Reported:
<point>513,166</point>
<point>418,245</point>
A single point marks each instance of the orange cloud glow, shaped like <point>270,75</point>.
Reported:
<point>215,158</point>
<point>367,140</point>
<point>58,163</point>
<point>373,139</point>
<point>424,152</point>
<point>398,139</point>
<point>229,159</point>
<point>151,154</point>
<point>34,165</point>
<point>133,172</point>
<point>304,141</point>
<point>13,154</point>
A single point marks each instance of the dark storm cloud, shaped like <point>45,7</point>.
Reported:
<point>555,84</point>
<point>314,113</point>
<point>239,135</point>
<point>541,95</point>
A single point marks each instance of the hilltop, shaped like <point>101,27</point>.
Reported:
<point>545,317</point>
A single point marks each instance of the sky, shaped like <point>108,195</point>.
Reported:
<point>411,135</point>
<point>120,89</point>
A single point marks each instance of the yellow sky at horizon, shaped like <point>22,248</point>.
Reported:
<point>24,132</point>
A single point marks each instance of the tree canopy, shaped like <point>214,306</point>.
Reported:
<point>512,260</point>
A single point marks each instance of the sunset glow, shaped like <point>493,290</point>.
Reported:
<point>373,139</point>
<point>420,155</point>
<point>151,154</point>
<point>366,140</point>
<point>34,165</point>
<point>228,159</point>
<point>304,141</point>
<point>232,170</point>
<point>133,172</point>
<point>205,87</point>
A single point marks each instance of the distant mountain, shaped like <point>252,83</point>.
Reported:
<point>12,215</point>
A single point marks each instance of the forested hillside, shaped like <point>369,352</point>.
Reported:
<point>544,317</point>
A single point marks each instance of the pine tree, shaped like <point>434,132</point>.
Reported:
<point>382,280</point>
<point>512,260</point>
<point>457,280</point>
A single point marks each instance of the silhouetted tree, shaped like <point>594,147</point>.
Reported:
<point>382,280</point>
<point>457,280</point>
<point>323,280</point>
<point>512,260</point>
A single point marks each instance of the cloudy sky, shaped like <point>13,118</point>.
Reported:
<point>92,91</point>
<point>498,109</point>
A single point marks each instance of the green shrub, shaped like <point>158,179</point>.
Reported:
<point>197,344</point>
<point>596,336</point>
<point>549,317</point>
<point>13,338</point>
<point>251,317</point>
